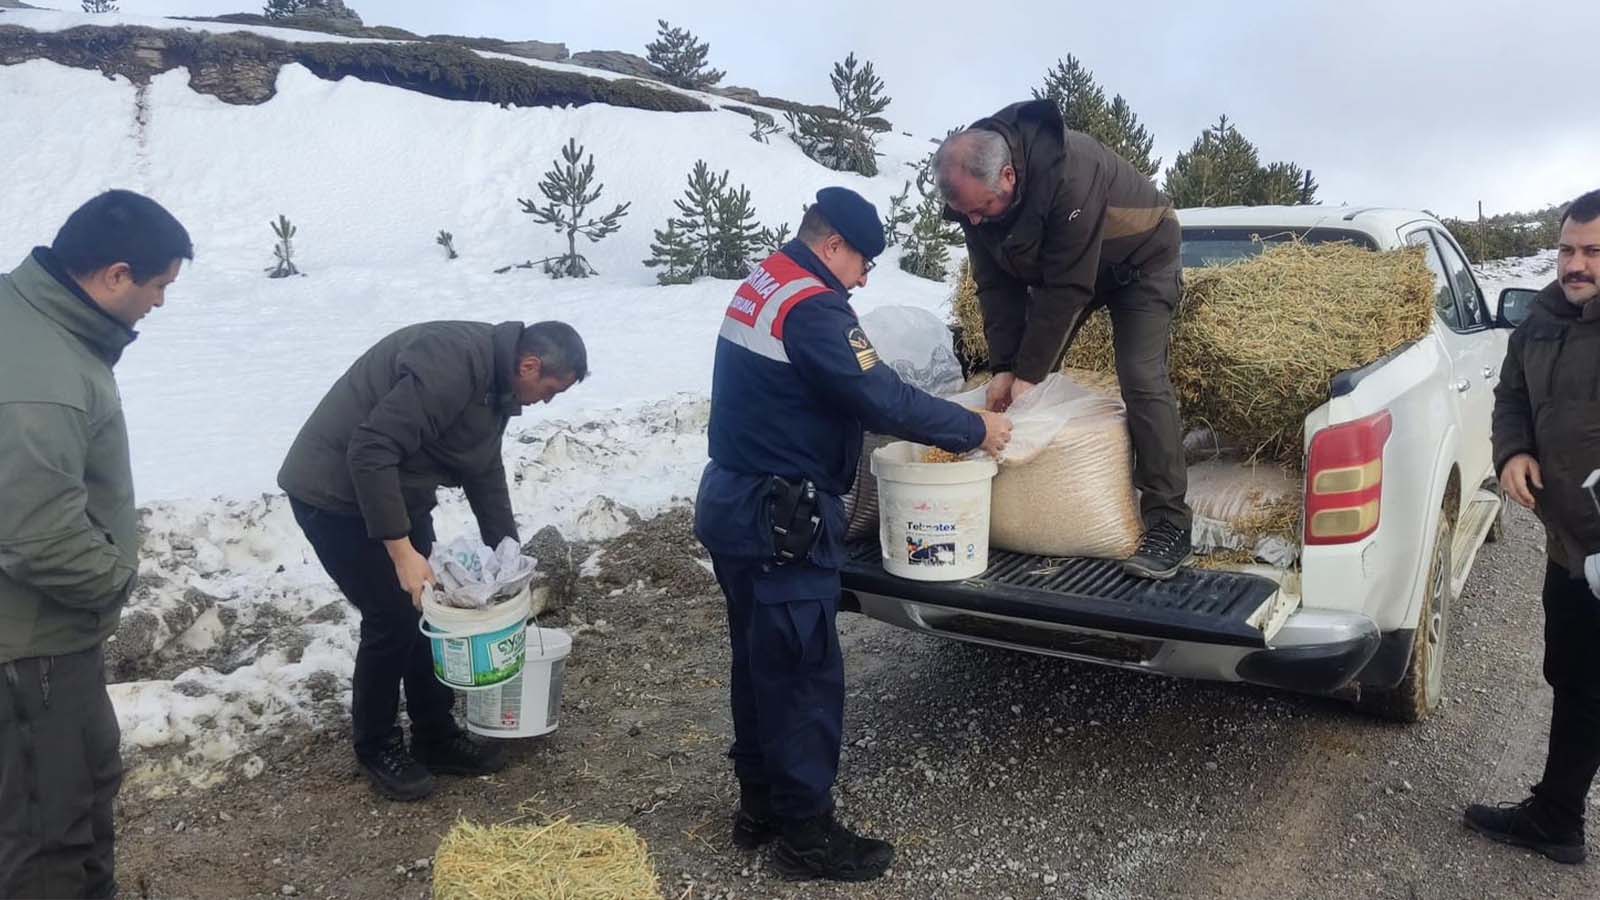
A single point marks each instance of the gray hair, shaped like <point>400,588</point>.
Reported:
<point>975,152</point>
<point>558,347</point>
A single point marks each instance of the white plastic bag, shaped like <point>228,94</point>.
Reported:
<point>917,344</point>
<point>471,576</point>
<point>1039,416</point>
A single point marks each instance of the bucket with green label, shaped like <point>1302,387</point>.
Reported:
<point>475,649</point>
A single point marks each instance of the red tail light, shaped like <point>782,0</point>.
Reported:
<point>1344,480</point>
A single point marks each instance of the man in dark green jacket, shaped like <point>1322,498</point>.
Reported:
<point>1546,442</point>
<point>1056,225</point>
<point>69,535</point>
<point>426,406</point>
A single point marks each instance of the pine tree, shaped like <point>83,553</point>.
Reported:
<point>1083,107</point>
<point>677,253</point>
<point>926,253</point>
<point>682,57</point>
<point>447,241</point>
<point>283,250</point>
<point>569,189</point>
<point>901,214</point>
<point>279,9</point>
<point>1224,169</point>
<point>773,239</point>
<point>846,141</point>
<point>715,232</point>
<point>738,235</point>
<point>100,6</point>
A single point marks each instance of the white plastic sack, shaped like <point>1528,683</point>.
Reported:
<point>917,345</point>
<point>1065,486</point>
<point>471,576</point>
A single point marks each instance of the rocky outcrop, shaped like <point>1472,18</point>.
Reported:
<point>619,62</point>
<point>242,67</point>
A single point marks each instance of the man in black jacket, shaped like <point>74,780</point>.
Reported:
<point>1056,225</point>
<point>1546,442</point>
<point>426,406</point>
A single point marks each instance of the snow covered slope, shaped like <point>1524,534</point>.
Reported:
<point>221,378</point>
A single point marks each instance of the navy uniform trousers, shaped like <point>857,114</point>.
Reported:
<point>787,682</point>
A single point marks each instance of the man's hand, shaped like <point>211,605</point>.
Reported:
<point>1018,388</point>
<point>999,393</point>
<point>1520,471</point>
<point>410,568</point>
<point>996,433</point>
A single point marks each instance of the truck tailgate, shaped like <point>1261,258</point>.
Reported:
<point>1212,607</point>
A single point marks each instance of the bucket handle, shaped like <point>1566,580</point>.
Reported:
<point>425,627</point>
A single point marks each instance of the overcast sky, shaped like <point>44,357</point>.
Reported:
<point>1434,104</point>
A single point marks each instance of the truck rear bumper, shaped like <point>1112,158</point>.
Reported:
<point>1316,651</point>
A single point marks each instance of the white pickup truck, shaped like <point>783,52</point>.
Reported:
<point>1399,492</point>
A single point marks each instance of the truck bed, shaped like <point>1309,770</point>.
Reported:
<point>1213,607</point>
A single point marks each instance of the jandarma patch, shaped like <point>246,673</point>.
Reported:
<point>866,356</point>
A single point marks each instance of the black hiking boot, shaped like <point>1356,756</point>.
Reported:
<point>753,822</point>
<point>1164,549</point>
<point>1523,825</point>
<point>820,847</point>
<point>460,755</point>
<point>393,772</point>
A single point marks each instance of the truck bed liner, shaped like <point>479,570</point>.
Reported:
<point>1197,605</point>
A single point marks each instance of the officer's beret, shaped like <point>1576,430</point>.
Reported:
<point>854,217</point>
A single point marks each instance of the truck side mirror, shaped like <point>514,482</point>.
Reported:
<point>1515,304</point>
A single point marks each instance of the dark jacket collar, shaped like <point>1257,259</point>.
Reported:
<point>807,259</point>
<point>44,282</point>
<point>1555,302</point>
<point>502,397</point>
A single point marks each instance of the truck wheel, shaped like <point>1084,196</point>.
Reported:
<point>1422,688</point>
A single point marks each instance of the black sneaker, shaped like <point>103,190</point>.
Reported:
<point>820,847</point>
<point>753,822</point>
<point>460,755</point>
<point>1163,550</point>
<point>394,774</point>
<point>1519,824</point>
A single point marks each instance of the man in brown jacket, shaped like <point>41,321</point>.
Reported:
<point>1057,225</point>
<point>1546,442</point>
<point>425,407</point>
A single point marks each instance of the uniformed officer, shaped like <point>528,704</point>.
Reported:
<point>795,382</point>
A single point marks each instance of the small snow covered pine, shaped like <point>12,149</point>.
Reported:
<point>926,254</point>
<point>682,56</point>
<point>901,214</point>
<point>447,241</point>
<point>715,232</point>
<point>99,6</point>
<point>283,250</point>
<point>773,239</point>
<point>569,188</point>
<point>847,140</point>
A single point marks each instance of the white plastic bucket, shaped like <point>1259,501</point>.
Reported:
<point>529,704</point>
<point>474,649</point>
<point>933,517</point>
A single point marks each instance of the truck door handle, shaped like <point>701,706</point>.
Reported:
<point>1463,386</point>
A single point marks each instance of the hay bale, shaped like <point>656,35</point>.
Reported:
<point>1256,343</point>
<point>559,859</point>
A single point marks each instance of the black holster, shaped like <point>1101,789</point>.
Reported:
<point>796,516</point>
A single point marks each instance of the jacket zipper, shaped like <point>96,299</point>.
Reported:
<point>44,679</point>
